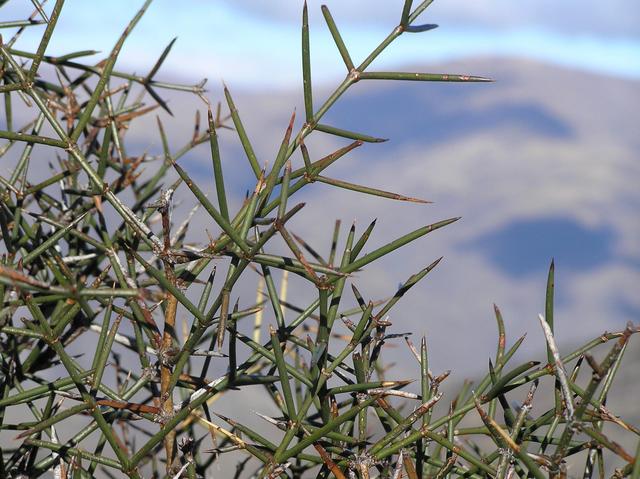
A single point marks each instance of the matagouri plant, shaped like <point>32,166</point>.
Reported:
<point>90,255</point>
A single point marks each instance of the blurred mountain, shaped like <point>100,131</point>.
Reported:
<point>541,164</point>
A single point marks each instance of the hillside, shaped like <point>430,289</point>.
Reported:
<point>542,163</point>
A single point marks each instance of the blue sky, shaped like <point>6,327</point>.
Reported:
<point>251,43</point>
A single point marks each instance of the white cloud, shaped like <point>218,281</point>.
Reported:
<point>617,17</point>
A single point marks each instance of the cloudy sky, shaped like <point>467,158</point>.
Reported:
<point>256,43</point>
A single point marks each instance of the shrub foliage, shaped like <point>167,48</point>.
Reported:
<point>91,259</point>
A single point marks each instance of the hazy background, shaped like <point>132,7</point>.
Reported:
<point>542,163</point>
